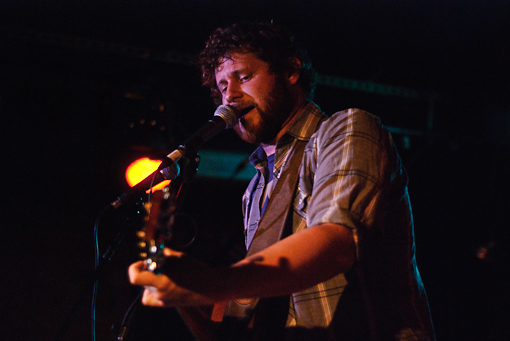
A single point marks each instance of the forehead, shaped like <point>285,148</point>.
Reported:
<point>237,61</point>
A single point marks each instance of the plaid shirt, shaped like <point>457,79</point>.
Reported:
<point>351,175</point>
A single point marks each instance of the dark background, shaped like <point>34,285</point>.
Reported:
<point>74,75</point>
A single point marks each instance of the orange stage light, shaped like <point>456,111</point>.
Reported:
<point>142,168</point>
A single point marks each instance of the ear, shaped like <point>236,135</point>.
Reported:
<point>294,74</point>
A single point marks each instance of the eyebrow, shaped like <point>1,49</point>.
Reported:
<point>234,72</point>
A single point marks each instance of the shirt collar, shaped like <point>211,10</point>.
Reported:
<point>306,123</point>
<point>302,129</point>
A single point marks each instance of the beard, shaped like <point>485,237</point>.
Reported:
<point>276,109</point>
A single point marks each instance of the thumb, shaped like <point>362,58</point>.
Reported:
<point>172,253</point>
<point>138,274</point>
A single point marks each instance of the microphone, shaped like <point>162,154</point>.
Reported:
<point>225,117</point>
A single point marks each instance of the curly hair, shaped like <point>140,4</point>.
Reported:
<point>270,43</point>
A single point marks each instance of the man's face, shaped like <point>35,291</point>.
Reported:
<point>262,98</point>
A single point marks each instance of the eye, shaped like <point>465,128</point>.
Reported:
<point>222,88</point>
<point>245,78</point>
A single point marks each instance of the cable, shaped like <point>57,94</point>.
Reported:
<point>129,316</point>
<point>96,282</point>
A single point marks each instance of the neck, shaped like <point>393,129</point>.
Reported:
<point>268,148</point>
<point>271,147</point>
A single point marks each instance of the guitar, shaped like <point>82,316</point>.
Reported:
<point>165,227</point>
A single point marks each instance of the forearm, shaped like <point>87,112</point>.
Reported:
<point>295,263</point>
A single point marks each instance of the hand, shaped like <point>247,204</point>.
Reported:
<point>185,282</point>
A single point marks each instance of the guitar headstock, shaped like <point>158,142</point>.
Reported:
<point>157,230</point>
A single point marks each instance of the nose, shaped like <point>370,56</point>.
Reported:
<point>233,92</point>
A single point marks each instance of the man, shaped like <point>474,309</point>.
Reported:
<point>328,223</point>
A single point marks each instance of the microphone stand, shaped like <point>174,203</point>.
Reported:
<point>131,196</point>
<point>225,117</point>
<point>92,281</point>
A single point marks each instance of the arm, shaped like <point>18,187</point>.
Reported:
<point>295,263</point>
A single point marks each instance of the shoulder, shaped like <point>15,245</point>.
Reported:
<point>350,122</point>
<point>352,117</point>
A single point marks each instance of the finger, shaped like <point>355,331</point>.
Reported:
<point>172,253</point>
<point>139,266</point>
<point>134,269</point>
<point>149,299</point>
<point>139,276</point>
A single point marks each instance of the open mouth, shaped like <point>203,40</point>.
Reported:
<point>244,111</point>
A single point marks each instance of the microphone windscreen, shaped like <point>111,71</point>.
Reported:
<point>228,114</point>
